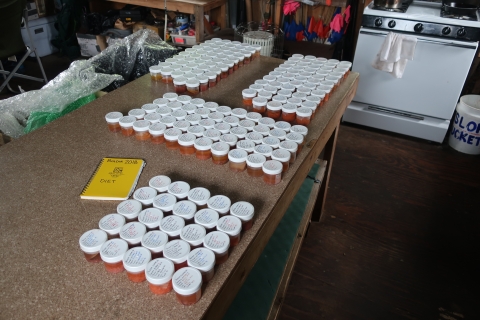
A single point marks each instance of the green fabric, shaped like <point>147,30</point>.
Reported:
<point>11,41</point>
<point>255,297</point>
<point>39,119</point>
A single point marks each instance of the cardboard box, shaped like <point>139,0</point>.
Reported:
<point>142,25</point>
<point>88,45</point>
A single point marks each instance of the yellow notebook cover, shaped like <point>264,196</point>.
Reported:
<point>114,179</point>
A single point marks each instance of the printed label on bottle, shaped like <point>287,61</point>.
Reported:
<point>206,216</point>
<point>145,194</point>
<point>184,208</point>
<point>110,222</point>
<point>216,240</point>
<point>92,239</point>
<point>228,224</point>
<point>242,209</point>
<point>193,232</point>
<point>219,202</point>
<point>160,181</point>
<point>247,123</point>
<point>135,257</point>
<point>201,257</point>
<point>114,249</point>
<point>155,239</point>
<point>278,133</point>
<point>255,136</point>
<point>271,141</point>
<point>178,187</point>
<point>176,249</point>
<point>165,201</point>
<point>159,269</point>
<point>199,194</point>
<point>130,231</point>
<point>185,279</point>
<point>129,207</point>
<point>149,216</point>
<point>172,223</point>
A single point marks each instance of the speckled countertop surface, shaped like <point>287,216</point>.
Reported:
<point>44,273</point>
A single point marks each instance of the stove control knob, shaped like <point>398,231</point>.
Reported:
<point>418,27</point>
<point>378,22</point>
<point>446,30</point>
<point>461,32</point>
<point>391,24</point>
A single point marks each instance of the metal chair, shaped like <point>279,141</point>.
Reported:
<point>11,43</point>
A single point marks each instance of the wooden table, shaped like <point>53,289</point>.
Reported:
<point>196,7</point>
<point>44,274</point>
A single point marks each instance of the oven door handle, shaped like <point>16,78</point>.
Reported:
<point>450,44</point>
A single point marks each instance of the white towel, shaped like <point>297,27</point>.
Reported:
<point>394,53</point>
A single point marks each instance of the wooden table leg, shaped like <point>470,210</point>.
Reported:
<point>199,25</point>
<point>223,15</point>
<point>329,151</point>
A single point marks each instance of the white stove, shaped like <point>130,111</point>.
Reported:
<point>422,102</point>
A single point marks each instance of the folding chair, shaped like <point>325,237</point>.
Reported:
<point>11,41</point>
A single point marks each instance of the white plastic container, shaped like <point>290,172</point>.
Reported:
<point>112,253</point>
<point>145,195</point>
<point>179,189</point>
<point>199,196</point>
<point>177,251</point>
<point>91,242</point>
<point>165,202</point>
<point>185,209</point>
<point>159,273</point>
<point>232,226</point>
<point>135,262</point>
<point>151,218</point>
<point>130,209</point>
<point>202,259</point>
<point>465,134</point>
<point>219,203</point>
<point>187,284</point>
<point>160,183</point>
<point>219,243</point>
<point>133,233</point>
<point>172,225</point>
<point>112,224</point>
<point>207,218</point>
<point>244,211</point>
<point>155,241</point>
<point>193,234</point>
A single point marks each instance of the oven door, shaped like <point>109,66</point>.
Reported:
<point>431,83</point>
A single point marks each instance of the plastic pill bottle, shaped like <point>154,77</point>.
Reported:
<point>179,189</point>
<point>244,211</point>
<point>203,260</point>
<point>157,131</point>
<point>304,116</point>
<point>248,95</point>
<point>145,195</point>
<point>259,105</point>
<point>159,273</point>
<point>283,125</point>
<point>278,133</point>
<point>130,209</point>
<point>126,125</point>
<point>91,242</point>
<point>274,109</point>
<point>133,232</point>
<point>160,183</point>
<point>222,127</point>
<point>212,79</point>
<point>177,251</point>
<point>239,132</point>
<point>187,284</point>
<point>193,86</point>
<point>155,241</point>
<point>273,142</point>
<point>153,117</point>
<point>203,79</point>
<point>255,137</point>
<point>282,156</point>
<point>166,73</point>
<point>219,243</point>
<point>246,145</point>
<point>171,138</point>
<point>194,235</point>
<point>180,85</point>
<point>264,150</point>
<point>247,124</point>
<point>155,73</point>
<point>297,138</point>
<point>172,225</point>
<point>229,139</point>
<point>199,196</point>
<point>272,172</point>
<point>254,164</point>
<point>185,209</point>
<point>239,113</point>
<point>185,142</point>
<point>112,224</point>
<point>112,253</point>
<point>291,147</point>
<point>139,114</point>
<point>113,119</point>
<point>232,226</point>
<point>135,262</point>
<point>196,130</point>
<point>165,202</point>
<point>237,160</point>
<point>141,130</point>
<point>151,218</point>
<point>220,152</point>
<point>203,148</point>
<point>253,116</point>
<point>219,203</point>
<point>207,218</point>
<point>266,121</point>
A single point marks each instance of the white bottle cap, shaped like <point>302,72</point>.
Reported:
<point>283,125</point>
<point>220,148</point>
<point>172,225</point>
<point>113,117</point>
<point>179,189</point>
<point>151,217</point>
<point>129,208</point>
<point>212,106</point>
<point>177,251</point>
<point>229,139</point>
<point>264,149</point>
<point>137,113</point>
<point>172,134</point>
<point>113,250</point>
<point>149,107</point>
<point>207,218</point>
<point>239,112</point>
<point>133,232</point>
<point>295,137</point>
<point>243,210</point>
<point>196,130</point>
<point>299,129</point>
<point>262,129</point>
<point>230,225</point>
<point>141,125</point>
<point>184,99</point>
<point>272,167</point>
<point>239,132</point>
<point>259,101</point>
<point>237,155</point>
<point>160,183</point>
<point>199,196</point>
<point>203,144</point>
<point>186,139</point>
<point>185,209</point>
<point>289,145</point>
<point>266,121</point>
<point>187,281</point>
<point>217,241</point>
<point>155,240</point>
<point>247,124</point>
<point>222,127</point>
<point>304,112</point>
<point>136,259</point>
<point>278,133</point>
<point>127,121</point>
<point>256,160</point>
<point>281,155</point>
<point>193,234</point>
<point>159,271</point>
<point>256,137</point>
<point>254,116</point>
<point>202,259</point>
<point>219,203</point>
<point>161,102</point>
<point>145,195</point>
<point>170,96</point>
<point>216,116</point>
<point>92,240</point>
<point>165,202</point>
<point>247,145</point>
<point>152,118</point>
<point>272,142</point>
<point>112,223</point>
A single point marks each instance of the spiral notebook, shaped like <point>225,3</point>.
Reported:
<point>114,179</point>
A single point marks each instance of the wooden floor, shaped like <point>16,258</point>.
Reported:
<point>401,238</point>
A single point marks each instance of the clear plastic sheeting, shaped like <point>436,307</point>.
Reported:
<point>78,81</point>
<point>131,56</point>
